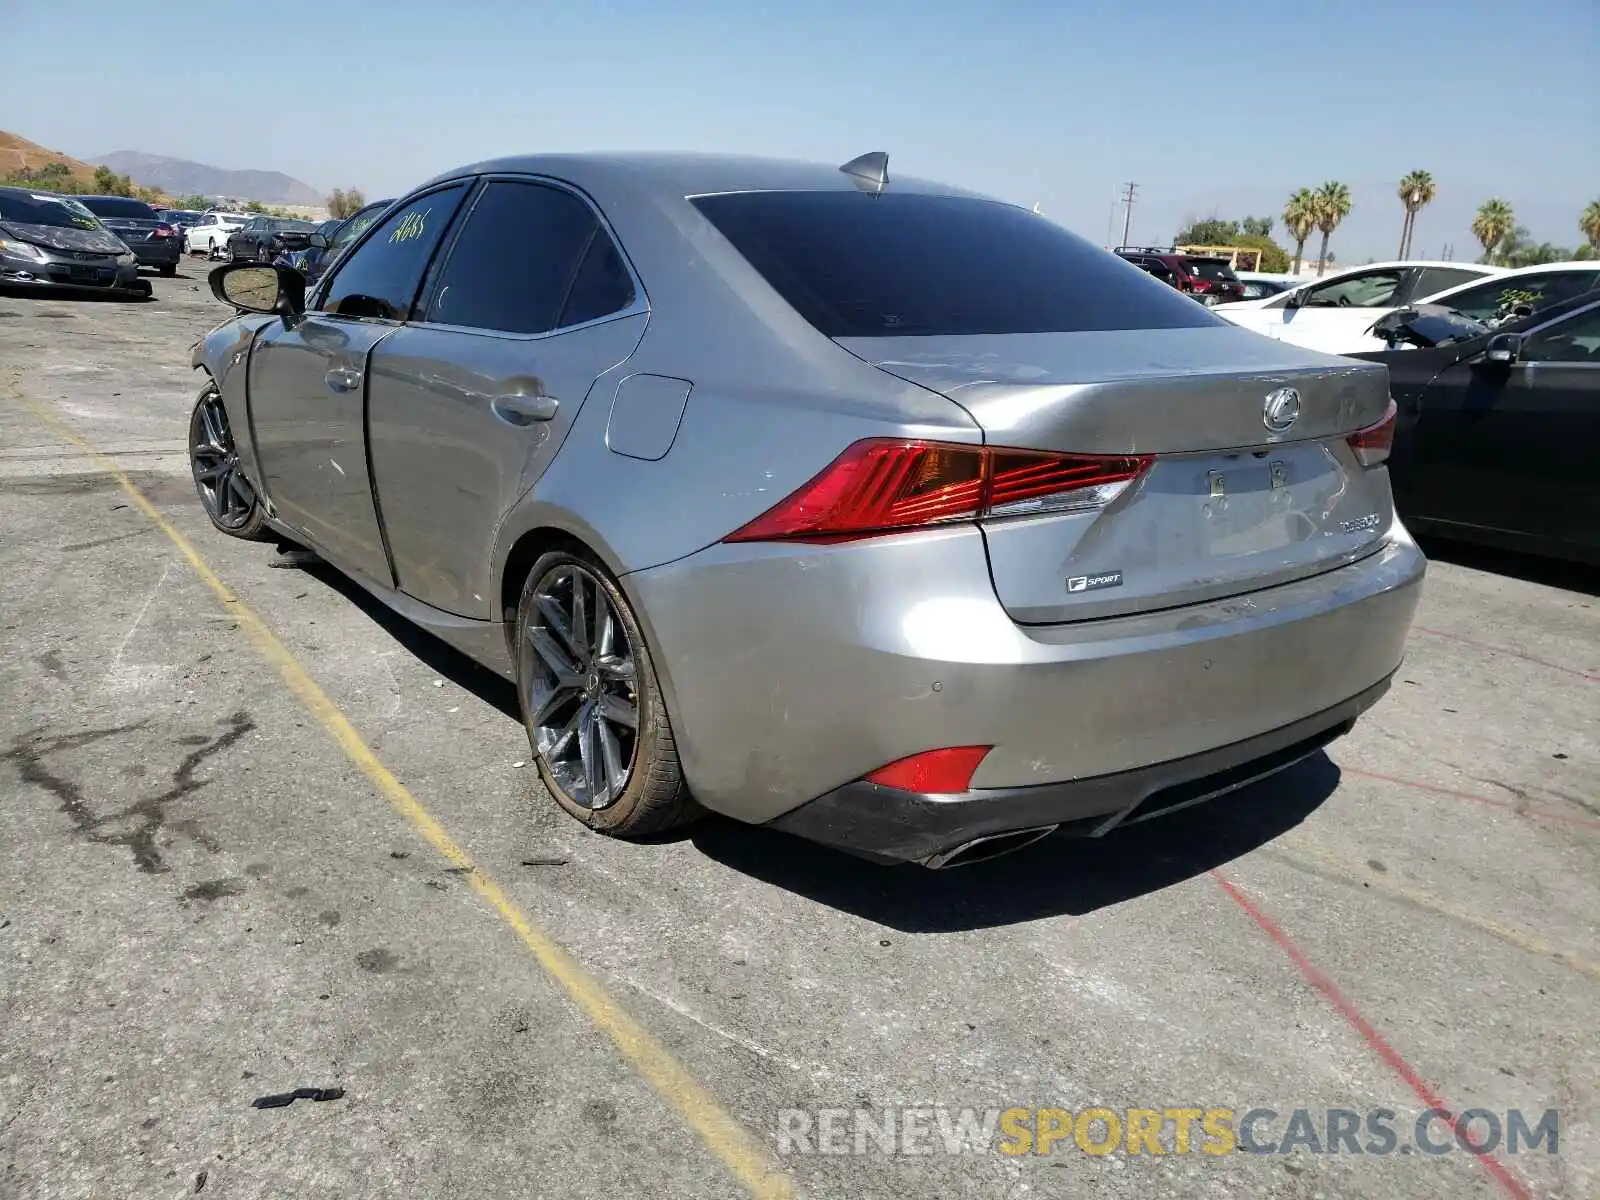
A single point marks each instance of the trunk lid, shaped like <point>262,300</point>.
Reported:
<point>131,230</point>
<point>1229,504</point>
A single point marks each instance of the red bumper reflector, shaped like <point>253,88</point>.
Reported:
<point>942,772</point>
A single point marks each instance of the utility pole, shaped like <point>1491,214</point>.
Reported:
<point>1127,209</point>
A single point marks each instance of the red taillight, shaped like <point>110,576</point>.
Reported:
<point>164,231</point>
<point>1201,285</point>
<point>884,485</point>
<point>1372,444</point>
<point>942,772</point>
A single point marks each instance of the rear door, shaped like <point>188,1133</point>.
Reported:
<point>467,407</point>
<point>309,382</point>
<point>1514,448</point>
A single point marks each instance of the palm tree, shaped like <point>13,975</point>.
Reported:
<point>1331,203</point>
<point>1494,220</point>
<point>1300,218</point>
<point>1416,192</point>
<point>1589,224</point>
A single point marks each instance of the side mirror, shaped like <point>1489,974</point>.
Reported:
<point>1295,298</point>
<point>1503,348</point>
<point>256,288</point>
<point>318,241</point>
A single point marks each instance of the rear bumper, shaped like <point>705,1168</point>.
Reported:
<point>791,671</point>
<point>161,253</point>
<point>890,824</point>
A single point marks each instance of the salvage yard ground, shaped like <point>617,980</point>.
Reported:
<point>260,835</point>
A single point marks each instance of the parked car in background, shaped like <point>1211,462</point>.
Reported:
<point>1259,287</point>
<point>1209,280</point>
<point>1498,428</point>
<point>1524,291</point>
<point>1334,314</point>
<point>50,241</point>
<point>263,238</point>
<point>154,242</point>
<point>181,219</point>
<point>1004,537</point>
<point>210,236</point>
<point>331,237</point>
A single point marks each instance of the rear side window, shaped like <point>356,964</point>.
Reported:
<point>855,264</point>
<point>1433,280</point>
<point>118,206</point>
<point>519,253</point>
<point>381,276</point>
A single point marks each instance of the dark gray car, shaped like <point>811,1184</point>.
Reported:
<point>154,241</point>
<point>50,241</point>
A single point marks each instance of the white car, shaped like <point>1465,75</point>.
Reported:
<point>1334,314</point>
<point>210,236</point>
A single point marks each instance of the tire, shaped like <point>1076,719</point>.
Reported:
<point>562,719</point>
<point>218,477</point>
<point>168,269</point>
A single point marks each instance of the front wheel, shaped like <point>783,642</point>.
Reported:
<point>227,496</point>
<point>592,705</point>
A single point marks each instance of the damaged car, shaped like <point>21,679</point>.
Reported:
<point>1499,417</point>
<point>869,509</point>
<point>51,241</point>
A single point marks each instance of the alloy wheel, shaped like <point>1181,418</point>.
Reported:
<point>582,700</point>
<point>226,493</point>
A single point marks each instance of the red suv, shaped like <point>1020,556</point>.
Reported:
<point>1209,280</point>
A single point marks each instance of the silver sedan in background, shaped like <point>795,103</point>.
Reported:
<point>860,506</point>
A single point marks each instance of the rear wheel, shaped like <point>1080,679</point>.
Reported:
<point>169,269</point>
<point>592,705</point>
<point>227,496</point>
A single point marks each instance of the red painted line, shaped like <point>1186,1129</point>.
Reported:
<point>1375,1040</point>
<point>1543,662</point>
<point>1515,806</point>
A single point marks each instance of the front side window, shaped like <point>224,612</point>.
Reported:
<point>854,264</point>
<point>356,226</point>
<point>1574,340</point>
<point>1360,291</point>
<point>525,248</point>
<point>380,278</point>
<point>1496,297</point>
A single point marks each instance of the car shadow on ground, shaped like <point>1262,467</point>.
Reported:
<point>1057,876</point>
<point>436,653</point>
<point>1549,572</point>
<point>1054,877</point>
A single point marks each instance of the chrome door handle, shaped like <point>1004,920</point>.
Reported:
<point>524,410</point>
<point>343,379</point>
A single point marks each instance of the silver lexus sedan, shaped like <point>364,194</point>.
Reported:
<point>863,507</point>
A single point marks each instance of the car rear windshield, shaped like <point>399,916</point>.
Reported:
<point>118,206</point>
<point>281,225</point>
<point>26,209</point>
<point>855,264</point>
<point>1212,268</point>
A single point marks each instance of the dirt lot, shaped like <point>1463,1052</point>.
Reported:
<point>211,890</point>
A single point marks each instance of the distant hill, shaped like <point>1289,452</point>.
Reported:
<point>19,154</point>
<point>180,177</point>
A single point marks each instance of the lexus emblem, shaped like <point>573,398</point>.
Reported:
<point>1280,409</point>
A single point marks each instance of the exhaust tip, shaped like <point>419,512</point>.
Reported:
<point>983,848</point>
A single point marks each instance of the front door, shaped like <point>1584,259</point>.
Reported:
<point>469,406</point>
<point>1513,447</point>
<point>309,382</point>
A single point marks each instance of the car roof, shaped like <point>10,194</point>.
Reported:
<point>1519,273</point>
<point>680,175</point>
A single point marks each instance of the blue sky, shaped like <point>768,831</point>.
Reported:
<point>1211,108</point>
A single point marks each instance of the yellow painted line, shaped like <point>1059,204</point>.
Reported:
<point>1319,862</point>
<point>742,1155</point>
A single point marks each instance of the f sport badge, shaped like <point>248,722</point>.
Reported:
<point>1093,583</point>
